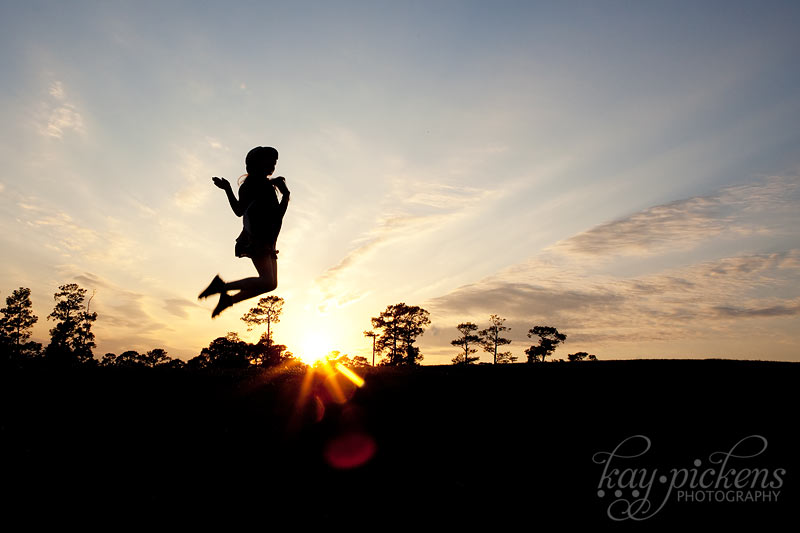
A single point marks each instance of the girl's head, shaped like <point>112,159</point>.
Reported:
<point>261,161</point>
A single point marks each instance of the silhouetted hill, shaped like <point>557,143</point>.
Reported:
<point>447,444</point>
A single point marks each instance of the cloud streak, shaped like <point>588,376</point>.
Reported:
<point>677,303</point>
<point>425,211</point>
<point>178,307</point>
<point>64,232</point>
<point>62,115</point>
<point>712,297</point>
<point>745,312</point>
<point>682,225</point>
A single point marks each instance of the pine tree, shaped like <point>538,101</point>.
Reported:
<point>16,324</point>
<point>268,311</point>
<point>549,339</point>
<point>401,325</point>
<point>71,339</point>
<point>467,340</point>
<point>491,340</point>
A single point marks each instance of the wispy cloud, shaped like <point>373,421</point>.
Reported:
<point>334,292</point>
<point>101,240</point>
<point>194,173</point>
<point>523,299</point>
<point>710,297</point>
<point>424,211</point>
<point>178,306</point>
<point>58,228</point>
<point>62,115</point>
<point>686,302</point>
<point>197,160</point>
<point>442,197</point>
<point>682,225</point>
<point>91,280</point>
<point>748,312</point>
<point>385,231</point>
<point>216,144</point>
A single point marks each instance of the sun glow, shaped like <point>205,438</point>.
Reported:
<point>315,347</point>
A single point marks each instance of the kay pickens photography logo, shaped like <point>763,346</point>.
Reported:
<point>638,493</point>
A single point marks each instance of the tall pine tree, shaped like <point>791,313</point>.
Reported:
<point>268,311</point>
<point>400,324</point>
<point>491,340</point>
<point>467,341</point>
<point>71,339</point>
<point>16,324</point>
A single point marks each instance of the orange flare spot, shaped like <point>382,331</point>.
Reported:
<point>350,450</point>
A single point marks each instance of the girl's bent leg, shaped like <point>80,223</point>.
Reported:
<point>266,281</point>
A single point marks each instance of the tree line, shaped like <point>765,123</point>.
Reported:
<point>395,331</point>
<point>400,325</point>
<point>72,340</point>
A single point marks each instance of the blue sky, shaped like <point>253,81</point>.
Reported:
<point>624,171</point>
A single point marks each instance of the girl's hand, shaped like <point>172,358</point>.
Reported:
<point>222,183</point>
<point>280,183</point>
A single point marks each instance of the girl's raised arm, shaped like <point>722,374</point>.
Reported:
<point>223,184</point>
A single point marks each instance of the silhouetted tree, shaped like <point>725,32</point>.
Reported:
<point>549,339</point>
<point>268,311</point>
<point>198,362</point>
<point>373,335</point>
<point>389,339</point>
<point>156,357</point>
<point>466,341</point>
<point>129,358</point>
<point>491,340</point>
<point>173,363</point>
<point>132,358</point>
<point>223,352</point>
<point>580,356</point>
<point>232,352</point>
<point>71,340</point>
<point>359,361</point>
<point>16,324</point>
<point>265,353</point>
<point>335,356</point>
<point>401,325</point>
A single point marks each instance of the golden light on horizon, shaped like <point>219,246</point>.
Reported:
<point>315,346</point>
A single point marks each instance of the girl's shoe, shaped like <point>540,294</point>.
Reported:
<point>216,285</point>
<point>225,301</point>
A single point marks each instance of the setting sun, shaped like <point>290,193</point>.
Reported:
<point>315,346</point>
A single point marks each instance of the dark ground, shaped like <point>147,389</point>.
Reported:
<point>508,444</point>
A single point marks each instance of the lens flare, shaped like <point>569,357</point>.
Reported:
<point>315,346</point>
<point>350,450</point>
<point>357,380</point>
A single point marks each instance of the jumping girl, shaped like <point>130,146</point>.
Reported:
<point>262,218</point>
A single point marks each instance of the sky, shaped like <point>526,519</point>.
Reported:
<point>627,172</point>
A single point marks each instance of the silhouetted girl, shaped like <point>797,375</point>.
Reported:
<point>262,218</point>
